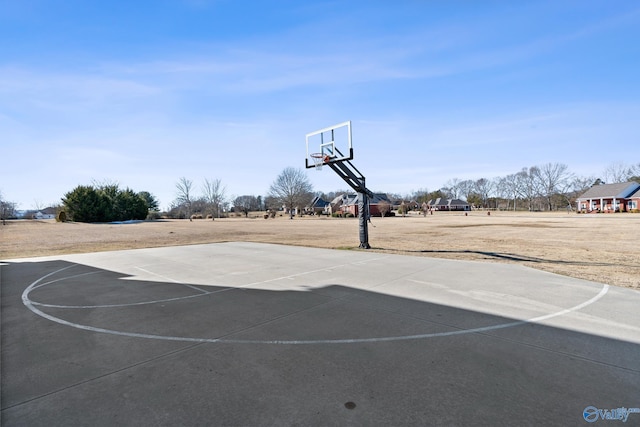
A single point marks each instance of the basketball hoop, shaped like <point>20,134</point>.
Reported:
<point>319,159</point>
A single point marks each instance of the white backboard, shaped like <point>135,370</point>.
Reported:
<point>331,144</point>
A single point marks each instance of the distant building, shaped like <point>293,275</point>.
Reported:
<point>47,213</point>
<point>318,206</point>
<point>349,204</point>
<point>441,204</point>
<point>41,215</point>
<point>620,197</point>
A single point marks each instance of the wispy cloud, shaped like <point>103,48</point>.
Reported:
<point>282,62</point>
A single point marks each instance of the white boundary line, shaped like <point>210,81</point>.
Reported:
<point>172,280</point>
<point>202,292</point>
<point>36,284</point>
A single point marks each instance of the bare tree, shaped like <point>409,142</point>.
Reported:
<point>529,184</point>
<point>291,189</point>
<point>403,209</point>
<point>466,188</point>
<point>634,173</point>
<point>7,209</point>
<point>272,204</point>
<point>501,190</point>
<point>246,204</point>
<point>554,180</point>
<point>184,195</point>
<point>38,205</point>
<point>199,206</point>
<point>333,194</point>
<point>453,187</point>
<point>580,184</point>
<point>214,195</point>
<point>420,196</point>
<point>616,172</point>
<point>484,187</point>
<point>577,187</point>
<point>510,184</point>
<point>384,208</point>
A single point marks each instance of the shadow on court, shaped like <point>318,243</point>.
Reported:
<point>97,348</point>
<point>511,257</point>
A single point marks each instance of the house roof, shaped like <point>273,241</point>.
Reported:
<point>634,195</point>
<point>379,197</point>
<point>620,190</point>
<point>338,200</point>
<point>352,199</point>
<point>447,202</point>
<point>318,202</point>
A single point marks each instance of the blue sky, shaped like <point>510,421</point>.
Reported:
<point>142,93</point>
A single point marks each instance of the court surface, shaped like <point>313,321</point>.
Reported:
<point>257,334</point>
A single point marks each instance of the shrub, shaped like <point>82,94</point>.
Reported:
<point>154,215</point>
<point>104,204</point>
<point>61,217</point>
<point>85,204</point>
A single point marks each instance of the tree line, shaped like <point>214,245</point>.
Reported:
<point>550,187</point>
<point>291,189</point>
<point>547,187</point>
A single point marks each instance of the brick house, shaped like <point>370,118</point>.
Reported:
<point>620,197</point>
<point>633,204</point>
<point>350,203</point>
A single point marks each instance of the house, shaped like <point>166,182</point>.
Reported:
<point>46,213</point>
<point>335,206</point>
<point>620,197</point>
<point>42,215</point>
<point>318,206</point>
<point>633,204</point>
<point>409,205</point>
<point>441,204</point>
<point>378,204</point>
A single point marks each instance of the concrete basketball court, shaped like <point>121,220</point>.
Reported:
<point>257,334</point>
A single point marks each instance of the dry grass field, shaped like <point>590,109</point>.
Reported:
<point>602,248</point>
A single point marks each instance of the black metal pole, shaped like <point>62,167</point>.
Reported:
<point>363,218</point>
<point>356,181</point>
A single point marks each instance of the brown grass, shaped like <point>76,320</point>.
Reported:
<point>602,248</point>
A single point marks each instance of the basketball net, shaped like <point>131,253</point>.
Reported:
<point>319,159</point>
